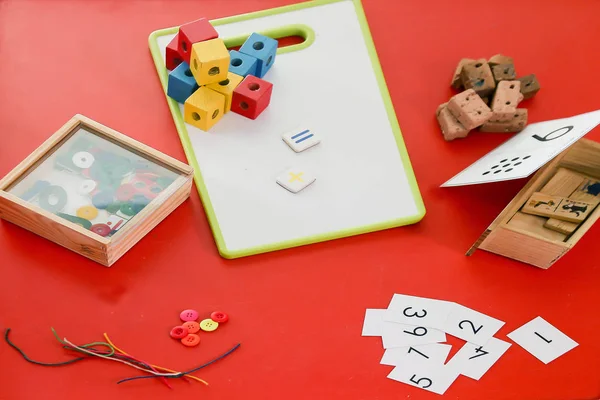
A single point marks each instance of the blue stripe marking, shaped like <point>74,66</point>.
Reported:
<point>300,134</point>
<point>304,138</point>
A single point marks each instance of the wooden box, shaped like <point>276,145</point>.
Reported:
<point>93,190</point>
<point>524,237</point>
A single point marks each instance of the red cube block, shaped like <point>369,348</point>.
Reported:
<point>194,32</point>
<point>251,97</point>
<point>172,57</point>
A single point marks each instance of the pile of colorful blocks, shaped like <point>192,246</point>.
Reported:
<point>209,80</point>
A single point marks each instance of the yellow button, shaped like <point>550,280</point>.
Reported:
<point>87,212</point>
<point>208,325</point>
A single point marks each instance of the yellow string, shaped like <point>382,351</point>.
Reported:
<point>155,366</point>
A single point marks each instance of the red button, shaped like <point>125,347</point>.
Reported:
<point>191,326</point>
<point>101,229</point>
<point>191,340</point>
<point>189,315</point>
<point>179,332</point>
<point>126,192</point>
<point>219,317</point>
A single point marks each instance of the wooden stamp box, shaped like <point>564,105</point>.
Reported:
<point>525,237</point>
<point>93,190</point>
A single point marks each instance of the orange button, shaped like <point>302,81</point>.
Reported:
<point>191,340</point>
<point>208,325</point>
<point>191,326</point>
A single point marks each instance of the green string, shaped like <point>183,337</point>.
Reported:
<point>58,364</point>
<point>110,353</point>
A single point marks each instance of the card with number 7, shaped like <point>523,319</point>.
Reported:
<point>419,311</point>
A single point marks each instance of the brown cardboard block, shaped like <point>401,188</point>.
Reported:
<point>529,86</point>
<point>517,123</point>
<point>505,101</point>
<point>450,126</point>
<point>456,81</point>
<point>504,72</point>
<point>468,108</point>
<point>478,76</point>
<point>500,59</point>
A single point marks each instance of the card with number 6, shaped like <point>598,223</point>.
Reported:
<point>419,311</point>
<point>470,325</point>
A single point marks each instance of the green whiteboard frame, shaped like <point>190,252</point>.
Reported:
<point>309,35</point>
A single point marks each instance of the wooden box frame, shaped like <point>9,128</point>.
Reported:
<point>506,240</point>
<point>105,251</point>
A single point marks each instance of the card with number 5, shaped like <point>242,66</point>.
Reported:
<point>470,325</point>
<point>419,311</point>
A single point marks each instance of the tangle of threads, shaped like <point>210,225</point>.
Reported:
<point>156,374</point>
<point>58,364</point>
<point>187,372</point>
<point>155,366</point>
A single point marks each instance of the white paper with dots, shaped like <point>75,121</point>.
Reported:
<point>527,151</point>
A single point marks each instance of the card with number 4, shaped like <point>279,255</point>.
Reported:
<point>419,311</point>
<point>474,361</point>
<point>470,325</point>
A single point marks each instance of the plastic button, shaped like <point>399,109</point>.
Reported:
<point>126,192</point>
<point>179,332</point>
<point>219,317</point>
<point>87,212</point>
<point>191,340</point>
<point>189,315</point>
<point>208,325</point>
<point>101,229</point>
<point>191,326</point>
<point>83,159</point>
<point>87,187</point>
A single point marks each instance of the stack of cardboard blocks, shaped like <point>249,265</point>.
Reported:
<point>489,95</point>
<point>210,81</point>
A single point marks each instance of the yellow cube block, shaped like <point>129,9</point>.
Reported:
<point>209,61</point>
<point>226,88</point>
<point>204,108</point>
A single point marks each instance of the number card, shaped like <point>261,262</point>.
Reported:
<point>474,361</point>
<point>428,376</point>
<point>470,325</point>
<point>435,353</point>
<point>402,335</point>
<point>373,324</point>
<point>542,340</point>
<point>418,311</point>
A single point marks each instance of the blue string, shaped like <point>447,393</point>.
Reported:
<point>234,348</point>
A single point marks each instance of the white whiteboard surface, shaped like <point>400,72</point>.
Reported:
<point>330,88</point>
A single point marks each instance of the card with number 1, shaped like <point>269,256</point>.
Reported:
<point>419,311</point>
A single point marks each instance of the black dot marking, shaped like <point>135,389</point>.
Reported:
<point>515,159</point>
<point>478,65</point>
<point>517,163</point>
<point>506,165</point>
<point>528,84</point>
<point>508,170</point>
<point>486,172</point>
<point>511,86</point>
<point>496,166</point>
<point>526,157</point>
<point>497,171</point>
<point>505,160</point>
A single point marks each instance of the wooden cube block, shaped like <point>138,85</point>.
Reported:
<point>450,126</point>
<point>226,88</point>
<point>529,86</point>
<point>468,108</point>
<point>500,59</point>
<point>516,124</point>
<point>504,72</point>
<point>251,97</point>
<point>478,76</point>
<point>505,101</point>
<point>563,183</point>
<point>558,207</point>
<point>204,108</point>
<point>242,64</point>
<point>194,32</point>
<point>181,83</point>
<point>535,224</point>
<point>210,61</point>
<point>456,82</point>
<point>172,56</point>
<point>264,49</point>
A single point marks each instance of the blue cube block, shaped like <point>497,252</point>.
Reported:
<point>264,49</point>
<point>181,83</point>
<point>242,64</point>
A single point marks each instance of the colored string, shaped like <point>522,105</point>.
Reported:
<point>155,366</point>
<point>110,353</point>
<point>234,348</point>
<point>58,364</point>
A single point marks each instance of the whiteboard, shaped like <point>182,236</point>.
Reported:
<point>364,180</point>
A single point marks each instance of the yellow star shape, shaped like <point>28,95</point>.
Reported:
<point>294,177</point>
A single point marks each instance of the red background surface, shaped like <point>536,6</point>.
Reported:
<point>298,313</point>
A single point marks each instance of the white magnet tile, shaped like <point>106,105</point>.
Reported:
<point>301,139</point>
<point>295,179</point>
